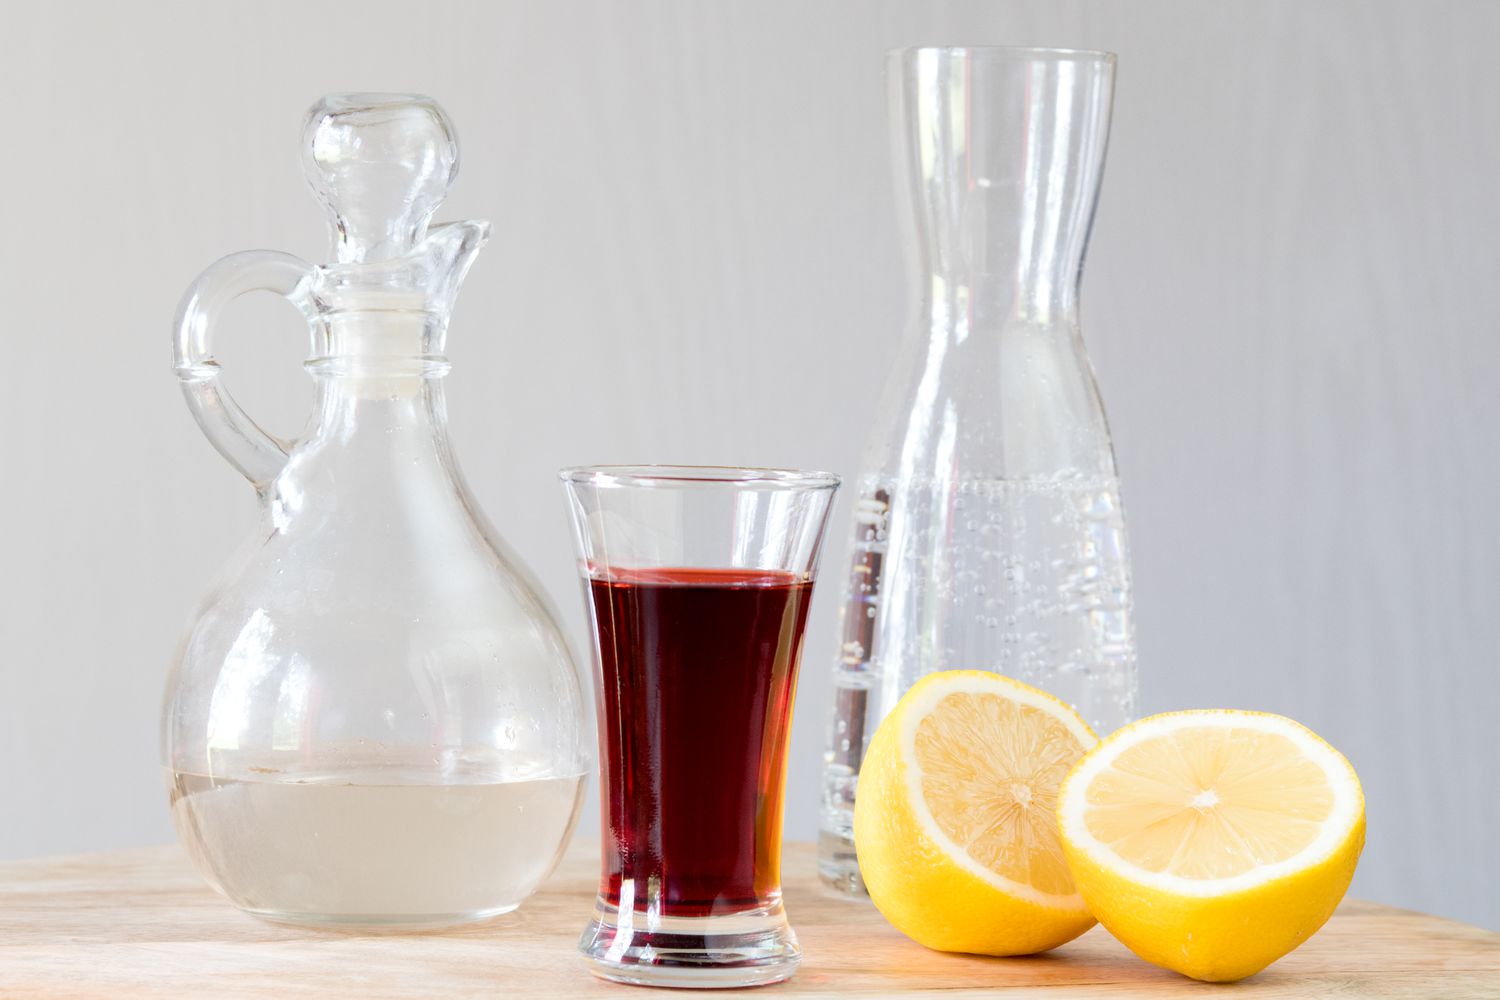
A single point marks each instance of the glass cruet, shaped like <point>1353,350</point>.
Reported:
<point>374,717</point>
<point>988,532</point>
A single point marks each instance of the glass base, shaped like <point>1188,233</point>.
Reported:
<point>751,948</point>
<point>838,867</point>
<point>395,923</point>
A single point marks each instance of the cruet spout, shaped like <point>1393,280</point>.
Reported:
<point>443,259</point>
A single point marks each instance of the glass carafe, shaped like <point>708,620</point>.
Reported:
<point>374,717</point>
<point>987,529</point>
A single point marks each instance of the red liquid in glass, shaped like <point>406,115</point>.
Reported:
<point>698,668</point>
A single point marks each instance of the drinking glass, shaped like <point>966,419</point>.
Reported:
<point>698,581</point>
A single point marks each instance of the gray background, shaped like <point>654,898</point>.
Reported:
<point>1290,302</point>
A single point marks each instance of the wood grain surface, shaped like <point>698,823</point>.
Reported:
<point>140,923</point>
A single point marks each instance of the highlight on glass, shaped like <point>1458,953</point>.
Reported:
<point>698,582</point>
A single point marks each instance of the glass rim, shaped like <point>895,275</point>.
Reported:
<point>698,476</point>
<point>1018,53</point>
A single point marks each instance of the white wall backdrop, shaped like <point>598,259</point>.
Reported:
<point>1291,302</point>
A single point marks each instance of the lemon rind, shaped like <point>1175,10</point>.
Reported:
<point>1347,809</point>
<point>927,693</point>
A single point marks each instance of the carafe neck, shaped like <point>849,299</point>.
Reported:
<point>362,350</point>
<point>999,153</point>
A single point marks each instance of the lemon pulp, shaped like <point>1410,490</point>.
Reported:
<point>990,770</point>
<point>1208,803</point>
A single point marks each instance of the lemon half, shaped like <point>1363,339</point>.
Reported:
<point>954,819</point>
<point>1213,842</point>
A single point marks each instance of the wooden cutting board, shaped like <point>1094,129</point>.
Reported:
<point>141,923</point>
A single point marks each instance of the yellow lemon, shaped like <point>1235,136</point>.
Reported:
<point>1213,843</point>
<point>954,819</point>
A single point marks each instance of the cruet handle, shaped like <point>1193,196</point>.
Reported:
<point>258,455</point>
